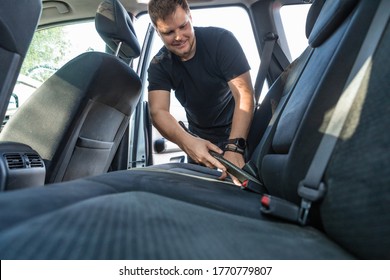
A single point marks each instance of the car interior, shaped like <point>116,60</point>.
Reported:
<point>82,106</point>
<point>316,184</point>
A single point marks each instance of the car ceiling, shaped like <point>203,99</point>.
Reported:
<point>60,11</point>
<point>69,10</point>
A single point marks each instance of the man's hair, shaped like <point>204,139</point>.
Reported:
<point>161,9</point>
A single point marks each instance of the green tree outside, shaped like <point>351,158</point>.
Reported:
<point>48,51</point>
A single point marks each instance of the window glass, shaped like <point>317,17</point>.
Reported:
<point>51,48</point>
<point>294,21</point>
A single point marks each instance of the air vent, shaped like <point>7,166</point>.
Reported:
<point>14,161</point>
<point>35,160</point>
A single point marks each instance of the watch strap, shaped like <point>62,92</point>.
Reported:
<point>234,148</point>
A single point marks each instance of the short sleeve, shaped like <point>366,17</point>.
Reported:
<point>231,57</point>
<point>158,75</point>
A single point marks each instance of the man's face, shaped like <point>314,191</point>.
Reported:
<point>177,34</point>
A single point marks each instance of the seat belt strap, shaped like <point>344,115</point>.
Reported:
<point>265,60</point>
<point>311,188</point>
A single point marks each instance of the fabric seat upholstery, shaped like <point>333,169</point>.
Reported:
<point>77,118</point>
<point>155,213</point>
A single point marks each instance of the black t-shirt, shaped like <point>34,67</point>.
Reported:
<point>200,84</point>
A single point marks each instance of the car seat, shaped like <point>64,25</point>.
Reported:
<point>15,38</point>
<point>156,213</point>
<point>77,118</point>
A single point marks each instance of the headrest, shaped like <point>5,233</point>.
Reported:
<point>114,25</point>
<point>330,17</point>
<point>312,15</point>
<point>16,34</point>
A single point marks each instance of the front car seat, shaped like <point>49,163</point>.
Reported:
<point>77,118</point>
<point>15,38</point>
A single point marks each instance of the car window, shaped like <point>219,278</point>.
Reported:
<point>50,49</point>
<point>293,18</point>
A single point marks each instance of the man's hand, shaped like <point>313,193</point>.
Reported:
<point>198,149</point>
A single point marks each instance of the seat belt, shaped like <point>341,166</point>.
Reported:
<point>312,188</point>
<point>265,60</point>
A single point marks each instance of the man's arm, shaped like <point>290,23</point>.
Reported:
<point>167,125</point>
<point>242,90</point>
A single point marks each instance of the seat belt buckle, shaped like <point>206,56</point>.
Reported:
<point>244,184</point>
<point>304,211</point>
<point>289,211</point>
<point>253,187</point>
<point>281,208</point>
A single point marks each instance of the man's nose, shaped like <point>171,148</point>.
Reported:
<point>178,35</point>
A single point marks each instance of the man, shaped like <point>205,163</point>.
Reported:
<point>209,73</point>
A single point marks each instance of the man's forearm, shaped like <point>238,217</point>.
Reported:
<point>242,118</point>
<point>242,90</point>
<point>168,127</point>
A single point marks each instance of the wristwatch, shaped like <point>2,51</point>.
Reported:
<point>236,145</point>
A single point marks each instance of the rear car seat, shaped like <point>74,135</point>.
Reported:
<point>153,213</point>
